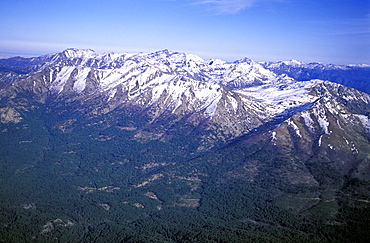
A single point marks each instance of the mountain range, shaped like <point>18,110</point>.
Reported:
<point>121,142</point>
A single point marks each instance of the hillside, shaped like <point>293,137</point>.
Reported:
<point>168,147</point>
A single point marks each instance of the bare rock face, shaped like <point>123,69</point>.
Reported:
<point>9,115</point>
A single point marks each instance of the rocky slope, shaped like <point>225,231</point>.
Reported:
<point>162,85</point>
<point>229,99</point>
<point>113,139</point>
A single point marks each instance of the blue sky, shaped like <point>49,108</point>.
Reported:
<point>329,31</point>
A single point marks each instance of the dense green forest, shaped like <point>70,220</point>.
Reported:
<point>66,178</point>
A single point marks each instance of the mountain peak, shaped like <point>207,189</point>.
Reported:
<point>78,53</point>
<point>244,60</point>
<point>293,62</point>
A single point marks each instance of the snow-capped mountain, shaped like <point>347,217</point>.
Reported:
<point>73,72</point>
<point>355,76</point>
<point>163,84</point>
<point>107,141</point>
<point>231,99</point>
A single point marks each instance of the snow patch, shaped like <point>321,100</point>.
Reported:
<point>308,121</point>
<point>61,79</point>
<point>339,125</point>
<point>365,122</point>
<point>211,109</point>
<point>273,137</point>
<point>111,94</point>
<point>324,124</point>
<point>320,140</point>
<point>80,83</point>
<point>284,95</point>
<point>295,127</point>
<point>234,103</point>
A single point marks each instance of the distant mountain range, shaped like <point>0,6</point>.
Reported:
<point>145,135</point>
<point>355,76</point>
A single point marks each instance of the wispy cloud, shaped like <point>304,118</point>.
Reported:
<point>356,26</point>
<point>226,6</point>
<point>347,27</point>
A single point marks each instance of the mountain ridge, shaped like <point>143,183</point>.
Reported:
<point>94,143</point>
<point>165,82</point>
<point>355,76</point>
